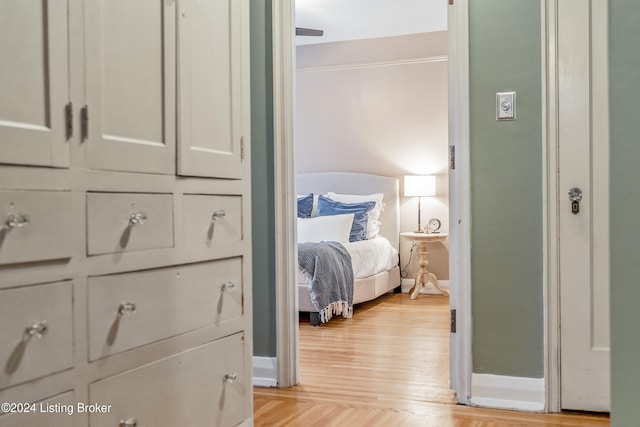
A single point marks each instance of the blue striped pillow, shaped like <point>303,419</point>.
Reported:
<point>360,212</point>
<point>305,206</point>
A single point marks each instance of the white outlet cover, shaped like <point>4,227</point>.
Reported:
<point>505,106</point>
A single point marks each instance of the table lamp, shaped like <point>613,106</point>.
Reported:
<point>419,186</point>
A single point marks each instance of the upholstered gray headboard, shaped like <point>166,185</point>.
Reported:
<point>359,183</point>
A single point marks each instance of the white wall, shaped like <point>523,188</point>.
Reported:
<point>379,106</point>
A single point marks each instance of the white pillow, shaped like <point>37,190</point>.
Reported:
<point>373,223</point>
<point>333,228</point>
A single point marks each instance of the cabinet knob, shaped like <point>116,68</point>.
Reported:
<point>129,422</point>
<point>230,378</point>
<point>228,286</point>
<point>126,308</point>
<point>221,214</point>
<point>137,218</point>
<point>18,220</point>
<point>38,329</point>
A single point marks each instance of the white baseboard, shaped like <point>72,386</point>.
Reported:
<point>265,371</point>
<point>502,392</point>
<point>407,284</point>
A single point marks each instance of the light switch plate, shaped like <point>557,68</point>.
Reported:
<point>505,106</point>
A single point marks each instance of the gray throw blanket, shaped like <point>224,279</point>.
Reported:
<point>328,267</point>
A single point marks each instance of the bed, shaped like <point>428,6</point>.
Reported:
<point>371,279</point>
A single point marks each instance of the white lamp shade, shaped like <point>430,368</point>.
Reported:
<point>419,185</point>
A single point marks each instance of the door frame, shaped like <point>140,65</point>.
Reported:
<point>283,24</point>
<point>550,201</point>
<point>460,355</point>
<point>283,27</point>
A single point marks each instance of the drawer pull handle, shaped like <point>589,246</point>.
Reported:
<point>129,422</point>
<point>16,221</point>
<point>137,218</point>
<point>126,308</point>
<point>230,378</point>
<point>228,286</point>
<point>38,329</point>
<point>218,215</point>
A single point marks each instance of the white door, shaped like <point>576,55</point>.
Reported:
<point>34,83</point>
<point>584,236</point>
<point>213,80</point>
<point>130,85</point>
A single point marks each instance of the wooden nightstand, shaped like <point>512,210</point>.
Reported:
<point>423,277</point>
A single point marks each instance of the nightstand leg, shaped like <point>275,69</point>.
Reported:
<point>417,285</point>
<point>423,277</point>
<point>434,281</point>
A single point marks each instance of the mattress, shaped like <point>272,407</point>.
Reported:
<point>368,257</point>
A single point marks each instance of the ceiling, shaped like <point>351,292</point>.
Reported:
<point>362,19</point>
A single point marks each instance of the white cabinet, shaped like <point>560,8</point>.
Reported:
<point>156,92</point>
<point>125,194</point>
<point>34,83</point>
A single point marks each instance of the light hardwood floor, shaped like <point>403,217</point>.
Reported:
<point>387,366</point>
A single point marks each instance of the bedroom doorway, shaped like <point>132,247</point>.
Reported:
<point>287,317</point>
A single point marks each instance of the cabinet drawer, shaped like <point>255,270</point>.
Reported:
<point>55,411</point>
<point>119,222</point>
<point>36,333</point>
<point>132,309</point>
<point>204,386</point>
<point>37,226</point>
<point>212,220</point>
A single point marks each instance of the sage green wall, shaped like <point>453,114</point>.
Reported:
<point>506,189</point>
<point>624,68</point>
<point>262,210</point>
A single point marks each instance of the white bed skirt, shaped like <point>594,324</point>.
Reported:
<point>363,289</point>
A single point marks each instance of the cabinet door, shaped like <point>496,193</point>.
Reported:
<point>213,84</point>
<point>34,83</point>
<point>130,85</point>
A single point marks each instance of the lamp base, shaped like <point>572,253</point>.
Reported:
<point>418,231</point>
